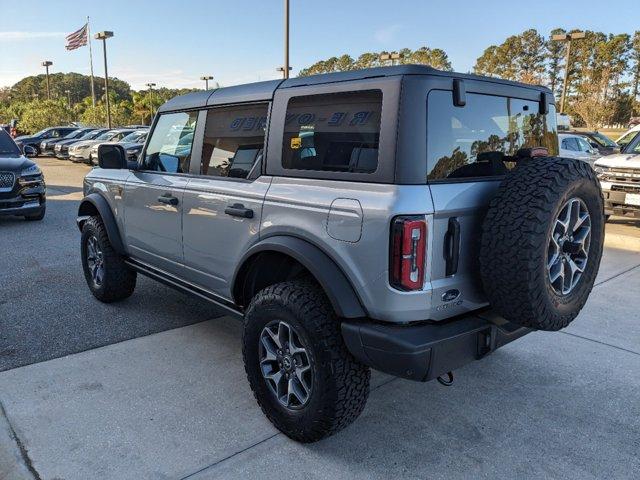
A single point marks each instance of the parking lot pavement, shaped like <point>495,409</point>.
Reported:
<point>176,404</point>
<point>46,310</point>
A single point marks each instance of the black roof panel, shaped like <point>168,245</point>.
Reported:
<point>260,91</point>
<point>249,92</point>
<point>186,101</point>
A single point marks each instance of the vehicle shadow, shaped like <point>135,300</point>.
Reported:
<point>626,221</point>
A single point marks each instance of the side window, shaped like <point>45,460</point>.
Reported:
<point>233,140</point>
<point>472,141</point>
<point>583,145</point>
<point>169,149</point>
<point>571,144</point>
<point>334,132</point>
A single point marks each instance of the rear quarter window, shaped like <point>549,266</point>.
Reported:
<point>333,132</point>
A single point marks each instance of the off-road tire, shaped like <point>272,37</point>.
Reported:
<point>36,216</point>
<point>515,241</point>
<point>340,385</point>
<point>119,280</point>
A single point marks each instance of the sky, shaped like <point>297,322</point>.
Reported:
<point>174,42</point>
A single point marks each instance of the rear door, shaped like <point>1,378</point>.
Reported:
<point>465,149</point>
<point>223,200</point>
<point>154,193</point>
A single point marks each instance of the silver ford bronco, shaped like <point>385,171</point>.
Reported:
<point>403,219</point>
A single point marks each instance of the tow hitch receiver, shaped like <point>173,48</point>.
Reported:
<point>428,351</point>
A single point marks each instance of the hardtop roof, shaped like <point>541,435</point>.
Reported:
<point>263,91</point>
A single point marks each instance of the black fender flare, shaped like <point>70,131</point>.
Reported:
<point>331,278</point>
<point>95,201</point>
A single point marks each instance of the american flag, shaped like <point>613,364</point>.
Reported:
<point>77,39</point>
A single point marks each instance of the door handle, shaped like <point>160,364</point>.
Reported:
<point>452,247</point>
<point>238,210</point>
<point>168,199</point>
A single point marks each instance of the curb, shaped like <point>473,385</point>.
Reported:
<point>12,453</point>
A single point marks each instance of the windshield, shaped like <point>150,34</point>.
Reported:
<point>105,136</point>
<point>633,146</point>
<point>40,133</point>
<point>92,134</point>
<point>74,134</point>
<point>7,145</point>
<point>603,140</point>
<point>626,138</point>
<point>134,137</point>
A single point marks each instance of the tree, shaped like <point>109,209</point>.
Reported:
<point>635,72</point>
<point>520,57</point>
<point>556,52</point>
<point>79,85</point>
<point>594,107</point>
<point>435,58</point>
<point>41,114</point>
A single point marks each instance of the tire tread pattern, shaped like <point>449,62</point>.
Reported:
<point>346,379</point>
<point>515,239</point>
<point>120,280</point>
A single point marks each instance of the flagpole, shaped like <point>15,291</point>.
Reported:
<point>93,91</point>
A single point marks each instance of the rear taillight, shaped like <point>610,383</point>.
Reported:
<point>408,250</point>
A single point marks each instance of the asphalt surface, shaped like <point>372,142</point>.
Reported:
<point>46,309</point>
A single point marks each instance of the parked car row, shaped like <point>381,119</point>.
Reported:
<point>80,144</point>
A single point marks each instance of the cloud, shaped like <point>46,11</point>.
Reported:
<point>19,36</point>
<point>387,34</point>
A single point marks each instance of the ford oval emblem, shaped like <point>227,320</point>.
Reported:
<point>450,295</point>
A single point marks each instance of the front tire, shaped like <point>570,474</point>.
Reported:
<point>301,373</point>
<point>107,276</point>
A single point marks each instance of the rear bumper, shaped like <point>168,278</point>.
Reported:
<point>426,351</point>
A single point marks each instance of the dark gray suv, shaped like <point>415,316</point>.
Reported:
<point>404,219</point>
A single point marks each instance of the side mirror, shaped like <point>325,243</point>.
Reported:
<point>30,151</point>
<point>112,156</point>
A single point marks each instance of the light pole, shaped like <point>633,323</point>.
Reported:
<point>103,36</point>
<point>286,68</point>
<point>68,92</point>
<point>151,85</point>
<point>46,64</point>
<point>566,37</point>
<point>206,79</point>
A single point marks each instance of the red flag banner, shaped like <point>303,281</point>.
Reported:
<point>77,39</point>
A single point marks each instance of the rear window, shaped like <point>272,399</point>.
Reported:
<point>471,141</point>
<point>333,133</point>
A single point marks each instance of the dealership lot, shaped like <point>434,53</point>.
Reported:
<point>165,396</point>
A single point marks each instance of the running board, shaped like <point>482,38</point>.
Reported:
<point>183,286</point>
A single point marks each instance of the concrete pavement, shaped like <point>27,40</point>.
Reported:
<point>176,405</point>
<point>112,403</point>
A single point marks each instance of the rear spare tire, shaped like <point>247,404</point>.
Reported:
<point>542,242</point>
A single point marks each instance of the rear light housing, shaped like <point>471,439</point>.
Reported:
<point>408,252</point>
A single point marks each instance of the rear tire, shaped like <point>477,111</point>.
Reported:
<point>542,242</point>
<point>326,397</point>
<point>107,276</point>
